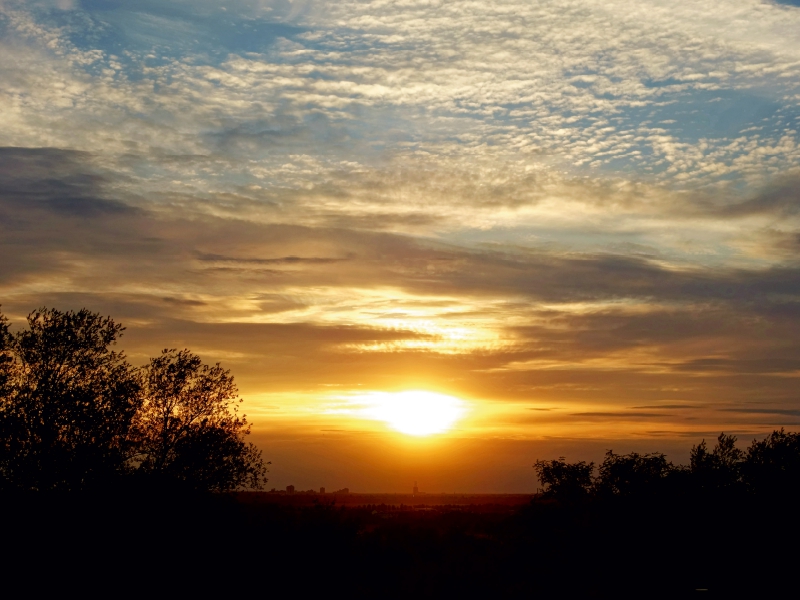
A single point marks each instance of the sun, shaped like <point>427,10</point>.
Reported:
<point>414,412</point>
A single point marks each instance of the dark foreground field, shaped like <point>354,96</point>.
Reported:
<point>164,543</point>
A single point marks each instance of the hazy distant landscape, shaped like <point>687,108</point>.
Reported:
<point>387,502</point>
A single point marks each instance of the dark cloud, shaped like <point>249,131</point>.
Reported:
<point>55,208</point>
<point>671,406</point>
<point>283,260</point>
<point>49,179</point>
<point>741,365</point>
<point>764,411</point>
<point>677,433</point>
<point>621,416</point>
<point>737,334</point>
<point>381,221</point>
<point>64,185</point>
<point>419,266</point>
<point>553,277</point>
<point>184,302</point>
<point>782,198</point>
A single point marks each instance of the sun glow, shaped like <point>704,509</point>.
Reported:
<point>414,412</point>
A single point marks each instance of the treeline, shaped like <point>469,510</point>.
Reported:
<point>637,525</point>
<point>75,415</point>
<point>768,467</point>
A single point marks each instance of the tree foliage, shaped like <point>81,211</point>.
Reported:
<point>634,473</point>
<point>769,467</point>
<point>6,358</point>
<point>719,468</point>
<point>188,429</point>
<point>565,481</point>
<point>66,419</point>
<point>772,465</point>
<point>74,414</point>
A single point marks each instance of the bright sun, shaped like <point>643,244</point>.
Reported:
<point>414,412</point>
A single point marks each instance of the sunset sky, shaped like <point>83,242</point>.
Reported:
<point>570,225</point>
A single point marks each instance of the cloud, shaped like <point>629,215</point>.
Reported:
<point>583,204</point>
<point>670,406</point>
<point>58,4</point>
<point>782,197</point>
<point>621,416</point>
<point>764,411</point>
<point>284,260</point>
<point>54,180</point>
<point>773,364</point>
<point>509,76</point>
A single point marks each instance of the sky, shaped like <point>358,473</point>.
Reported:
<point>574,223</point>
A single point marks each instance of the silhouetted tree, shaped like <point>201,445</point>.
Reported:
<point>7,364</point>
<point>188,431</point>
<point>628,474</point>
<point>6,358</point>
<point>68,407</point>
<point>773,464</point>
<point>566,482</point>
<point>720,468</point>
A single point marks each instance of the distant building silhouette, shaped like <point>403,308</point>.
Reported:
<point>416,489</point>
<point>322,490</point>
<point>290,489</point>
<point>342,491</point>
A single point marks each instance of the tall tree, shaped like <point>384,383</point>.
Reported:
<point>66,415</point>
<point>188,429</point>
